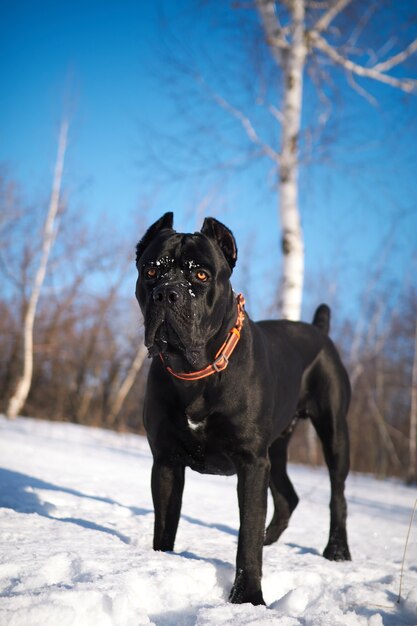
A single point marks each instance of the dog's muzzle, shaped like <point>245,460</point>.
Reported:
<point>167,320</point>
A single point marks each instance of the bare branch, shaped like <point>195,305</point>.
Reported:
<point>275,34</point>
<point>383,51</point>
<point>324,21</point>
<point>319,4</point>
<point>382,427</point>
<point>9,273</point>
<point>361,91</point>
<point>248,127</point>
<point>405,84</point>
<point>397,58</point>
<point>276,113</point>
<point>361,25</point>
<point>127,383</point>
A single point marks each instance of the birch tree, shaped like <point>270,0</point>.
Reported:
<point>303,42</point>
<point>308,30</point>
<point>21,392</point>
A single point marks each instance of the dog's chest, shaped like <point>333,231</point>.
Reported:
<point>205,422</point>
<point>196,413</point>
<point>202,447</point>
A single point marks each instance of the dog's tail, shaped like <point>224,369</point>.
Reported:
<point>321,318</point>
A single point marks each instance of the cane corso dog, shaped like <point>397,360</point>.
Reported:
<point>224,393</point>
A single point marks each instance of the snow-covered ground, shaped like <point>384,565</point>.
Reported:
<point>76,534</point>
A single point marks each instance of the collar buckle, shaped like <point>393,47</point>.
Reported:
<point>216,362</point>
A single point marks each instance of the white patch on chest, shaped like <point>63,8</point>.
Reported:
<point>195,425</point>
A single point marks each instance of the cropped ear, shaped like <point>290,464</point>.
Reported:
<point>214,229</point>
<point>166,221</point>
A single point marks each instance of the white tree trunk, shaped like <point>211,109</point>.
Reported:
<point>126,385</point>
<point>18,399</point>
<point>292,235</point>
<point>412,446</point>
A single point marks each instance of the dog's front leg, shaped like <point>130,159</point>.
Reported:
<point>167,488</point>
<point>253,477</point>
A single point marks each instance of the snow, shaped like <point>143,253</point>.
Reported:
<point>76,535</point>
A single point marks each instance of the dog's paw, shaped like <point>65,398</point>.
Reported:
<point>238,596</point>
<point>244,592</point>
<point>337,551</point>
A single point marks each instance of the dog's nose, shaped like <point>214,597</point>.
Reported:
<point>165,294</point>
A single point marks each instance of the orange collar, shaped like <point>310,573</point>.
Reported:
<point>222,357</point>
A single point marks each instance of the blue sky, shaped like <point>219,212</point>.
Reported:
<point>104,64</point>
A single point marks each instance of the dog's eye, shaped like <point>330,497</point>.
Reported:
<point>151,273</point>
<point>203,276</point>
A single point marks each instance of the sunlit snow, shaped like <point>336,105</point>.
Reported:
<point>76,542</point>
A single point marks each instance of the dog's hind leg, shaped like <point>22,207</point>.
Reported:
<point>332,430</point>
<point>283,492</point>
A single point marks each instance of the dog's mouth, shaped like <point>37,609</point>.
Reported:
<point>162,336</point>
<point>157,335</point>
<point>166,337</point>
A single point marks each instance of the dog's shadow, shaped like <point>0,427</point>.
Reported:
<point>221,527</point>
<point>303,549</point>
<point>235,533</point>
<point>19,492</point>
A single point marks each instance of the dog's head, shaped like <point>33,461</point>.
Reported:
<point>183,289</point>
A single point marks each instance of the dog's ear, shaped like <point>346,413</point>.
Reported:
<point>164,222</point>
<point>223,237</point>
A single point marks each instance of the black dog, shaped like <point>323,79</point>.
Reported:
<point>224,392</point>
